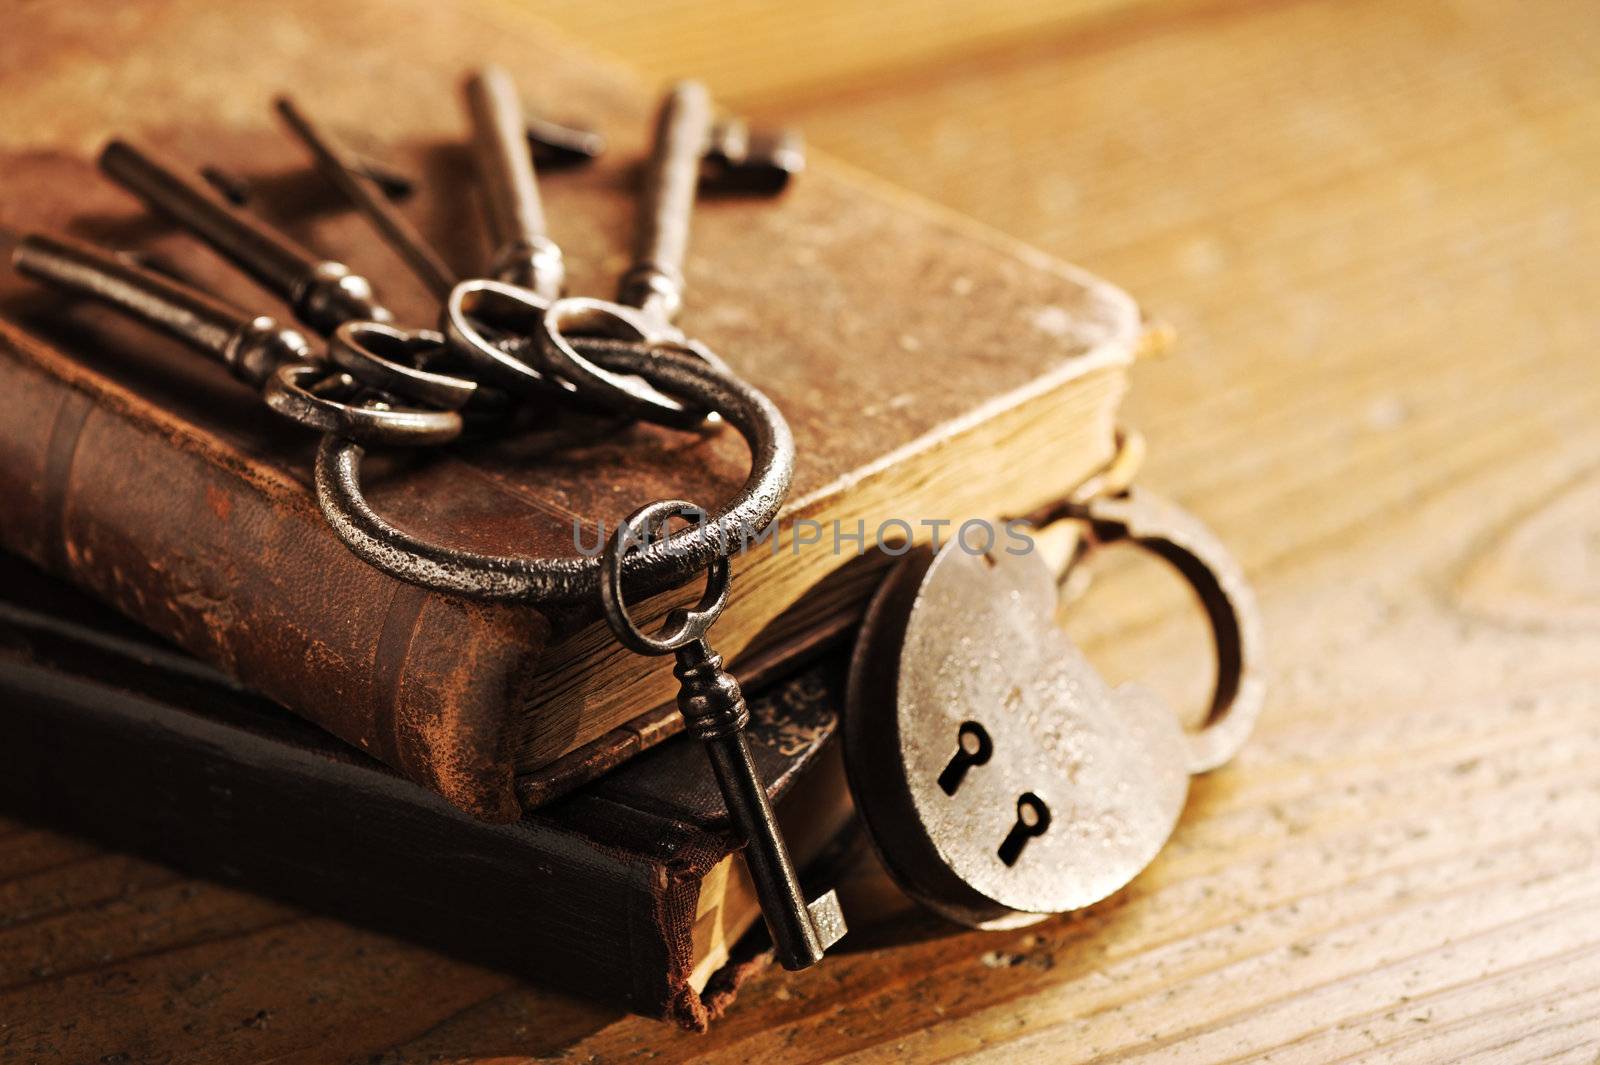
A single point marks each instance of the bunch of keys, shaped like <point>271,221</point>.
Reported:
<point>1000,778</point>
<point>368,359</point>
<point>644,367</point>
<point>512,332</point>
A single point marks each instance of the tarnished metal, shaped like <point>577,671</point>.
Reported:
<point>654,283</point>
<point>252,346</point>
<point>346,171</point>
<point>255,348</point>
<point>494,322</point>
<point>1000,777</point>
<point>683,625</point>
<point>524,253</point>
<point>489,324</point>
<point>576,578</point>
<point>1186,544</point>
<point>340,405</point>
<point>404,362</point>
<point>714,711</point>
<point>381,362</point>
<point>567,321</point>
<point>628,358</point>
<point>323,293</point>
<point>556,145</point>
<point>761,161</point>
<point>651,291</point>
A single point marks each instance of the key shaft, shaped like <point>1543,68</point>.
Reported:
<point>345,170</point>
<point>323,293</point>
<point>524,253</point>
<point>252,346</point>
<point>655,283</point>
<point>714,711</point>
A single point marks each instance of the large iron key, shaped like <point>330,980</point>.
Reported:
<point>322,293</point>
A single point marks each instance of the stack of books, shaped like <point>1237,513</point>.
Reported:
<point>236,691</point>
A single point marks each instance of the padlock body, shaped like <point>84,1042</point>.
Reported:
<point>955,641</point>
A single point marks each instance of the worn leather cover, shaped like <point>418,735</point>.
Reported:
<point>106,731</point>
<point>887,332</point>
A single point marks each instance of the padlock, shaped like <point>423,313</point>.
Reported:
<point>1000,777</point>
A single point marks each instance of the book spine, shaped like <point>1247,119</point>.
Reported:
<point>230,560</point>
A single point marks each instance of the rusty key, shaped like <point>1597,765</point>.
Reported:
<point>715,713</point>
<point>323,293</point>
<point>251,346</point>
<point>276,359</point>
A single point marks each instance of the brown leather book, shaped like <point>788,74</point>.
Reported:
<point>627,890</point>
<point>931,371</point>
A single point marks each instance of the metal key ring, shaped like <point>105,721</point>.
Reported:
<point>505,308</point>
<point>624,393</point>
<point>310,404</point>
<point>1194,551</point>
<point>513,578</point>
<point>391,360</point>
<point>683,625</point>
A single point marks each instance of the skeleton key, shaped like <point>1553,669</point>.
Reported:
<point>714,711</point>
<point>255,348</point>
<point>654,283</point>
<point>252,347</point>
<point>325,295</point>
<point>321,292</point>
<point>487,320</point>
<point>1000,777</point>
<point>651,291</point>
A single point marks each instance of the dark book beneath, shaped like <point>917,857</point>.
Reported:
<point>628,890</point>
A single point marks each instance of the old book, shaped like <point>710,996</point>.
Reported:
<point>627,890</point>
<point>932,371</point>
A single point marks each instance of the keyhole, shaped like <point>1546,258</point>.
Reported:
<point>973,747</point>
<point>1033,818</point>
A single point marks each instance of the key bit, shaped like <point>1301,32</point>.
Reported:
<point>757,161</point>
<point>251,346</point>
<point>524,254</point>
<point>557,146</point>
<point>345,170</point>
<point>323,293</point>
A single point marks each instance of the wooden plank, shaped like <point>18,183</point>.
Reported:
<point>1371,224</point>
<point>758,54</point>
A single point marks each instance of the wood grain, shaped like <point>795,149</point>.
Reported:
<point>1373,225</point>
<point>775,53</point>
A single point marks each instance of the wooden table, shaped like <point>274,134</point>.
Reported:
<point>1374,226</point>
